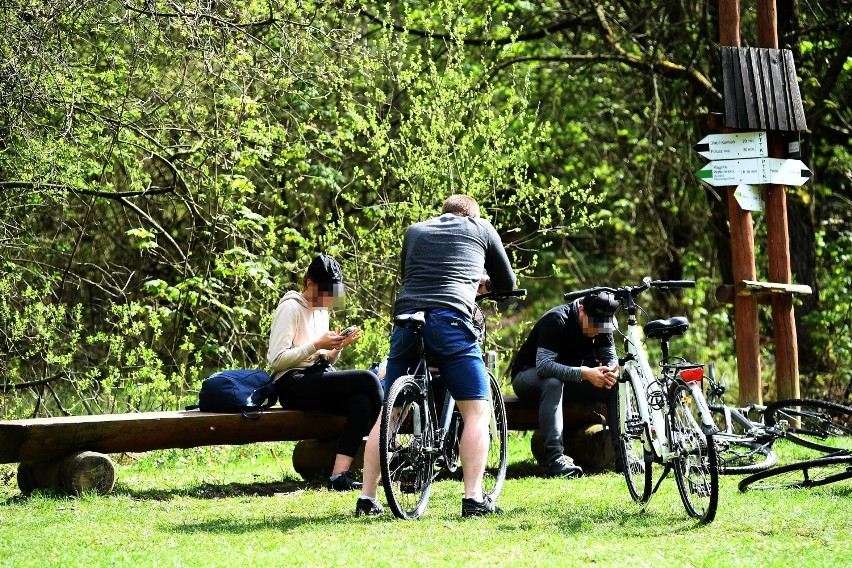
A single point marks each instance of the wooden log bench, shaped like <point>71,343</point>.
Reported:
<point>71,453</point>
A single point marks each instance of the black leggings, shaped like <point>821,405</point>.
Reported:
<point>355,395</point>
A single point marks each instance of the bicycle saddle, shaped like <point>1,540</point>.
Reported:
<point>411,321</point>
<point>664,329</point>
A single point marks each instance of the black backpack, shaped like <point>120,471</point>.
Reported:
<point>237,390</point>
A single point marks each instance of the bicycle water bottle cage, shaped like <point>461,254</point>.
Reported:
<point>664,329</point>
<point>413,321</point>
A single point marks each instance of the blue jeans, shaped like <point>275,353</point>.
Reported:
<point>451,346</point>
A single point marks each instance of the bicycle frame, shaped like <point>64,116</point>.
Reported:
<point>637,360</point>
<point>426,381</point>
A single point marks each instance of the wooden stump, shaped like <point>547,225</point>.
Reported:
<point>75,474</point>
<point>315,458</point>
<point>590,447</point>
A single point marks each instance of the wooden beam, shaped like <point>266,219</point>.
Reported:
<point>753,288</point>
<point>41,439</point>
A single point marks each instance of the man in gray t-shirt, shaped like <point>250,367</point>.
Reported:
<point>443,264</point>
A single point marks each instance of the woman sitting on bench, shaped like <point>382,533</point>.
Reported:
<point>302,351</point>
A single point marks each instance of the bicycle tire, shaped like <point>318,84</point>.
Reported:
<point>809,473</point>
<point>742,456</point>
<point>636,461</point>
<point>498,441</point>
<point>405,432</point>
<point>696,467</point>
<point>497,458</point>
<point>816,424</point>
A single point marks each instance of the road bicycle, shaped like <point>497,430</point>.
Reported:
<point>827,469</point>
<point>418,439</point>
<point>664,418</point>
<point>743,441</point>
<point>745,444</point>
<point>816,424</point>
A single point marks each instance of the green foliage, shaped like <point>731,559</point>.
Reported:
<point>164,179</point>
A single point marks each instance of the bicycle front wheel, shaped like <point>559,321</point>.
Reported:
<point>498,440</point>
<point>816,424</point>
<point>810,473</point>
<point>636,461</point>
<point>696,467</point>
<point>405,438</point>
<point>741,456</point>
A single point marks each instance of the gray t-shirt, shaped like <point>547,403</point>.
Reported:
<point>442,262</point>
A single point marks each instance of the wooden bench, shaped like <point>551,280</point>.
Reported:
<point>70,453</point>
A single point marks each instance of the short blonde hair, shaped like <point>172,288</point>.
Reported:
<point>461,205</point>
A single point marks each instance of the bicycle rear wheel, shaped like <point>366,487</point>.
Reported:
<point>635,460</point>
<point>740,456</point>
<point>498,440</point>
<point>810,473</point>
<point>696,468</point>
<point>816,424</point>
<point>405,434</point>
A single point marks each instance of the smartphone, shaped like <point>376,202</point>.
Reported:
<point>349,331</point>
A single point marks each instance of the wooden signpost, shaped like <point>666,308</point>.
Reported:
<point>762,101</point>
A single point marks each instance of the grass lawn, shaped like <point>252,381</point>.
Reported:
<point>245,506</point>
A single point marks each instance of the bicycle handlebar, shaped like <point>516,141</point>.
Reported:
<point>500,296</point>
<point>625,291</point>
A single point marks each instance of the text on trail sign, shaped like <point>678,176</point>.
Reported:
<point>754,171</point>
<point>733,146</point>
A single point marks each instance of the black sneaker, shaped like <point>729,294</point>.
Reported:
<point>564,466</point>
<point>473,508</point>
<point>367,507</point>
<point>344,482</point>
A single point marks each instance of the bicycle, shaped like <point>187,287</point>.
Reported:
<point>815,424</point>
<point>657,415</point>
<point>745,445</point>
<point>809,473</point>
<point>416,441</point>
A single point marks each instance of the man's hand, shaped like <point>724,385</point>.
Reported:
<point>603,377</point>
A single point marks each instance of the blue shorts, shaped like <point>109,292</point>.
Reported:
<point>451,346</point>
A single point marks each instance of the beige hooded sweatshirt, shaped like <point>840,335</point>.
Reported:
<point>295,327</point>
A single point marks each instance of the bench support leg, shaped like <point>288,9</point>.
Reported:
<point>315,458</point>
<point>590,447</point>
<point>75,474</point>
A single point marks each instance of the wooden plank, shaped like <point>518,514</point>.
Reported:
<point>728,86</point>
<point>759,89</point>
<point>42,439</point>
<point>753,288</point>
<point>751,88</point>
<point>740,72</point>
<point>779,88</point>
<point>521,415</point>
<point>796,107</point>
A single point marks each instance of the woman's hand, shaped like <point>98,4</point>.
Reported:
<point>354,336</point>
<point>335,341</point>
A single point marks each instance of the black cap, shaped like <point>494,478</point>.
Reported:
<point>326,273</point>
<point>600,306</point>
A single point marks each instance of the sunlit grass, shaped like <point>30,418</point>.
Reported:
<point>226,506</point>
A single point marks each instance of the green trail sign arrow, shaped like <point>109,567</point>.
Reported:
<point>755,171</point>
<point>733,146</point>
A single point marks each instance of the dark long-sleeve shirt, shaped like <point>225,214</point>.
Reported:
<point>556,346</point>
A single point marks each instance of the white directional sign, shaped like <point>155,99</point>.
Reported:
<point>733,146</point>
<point>749,197</point>
<point>755,171</point>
